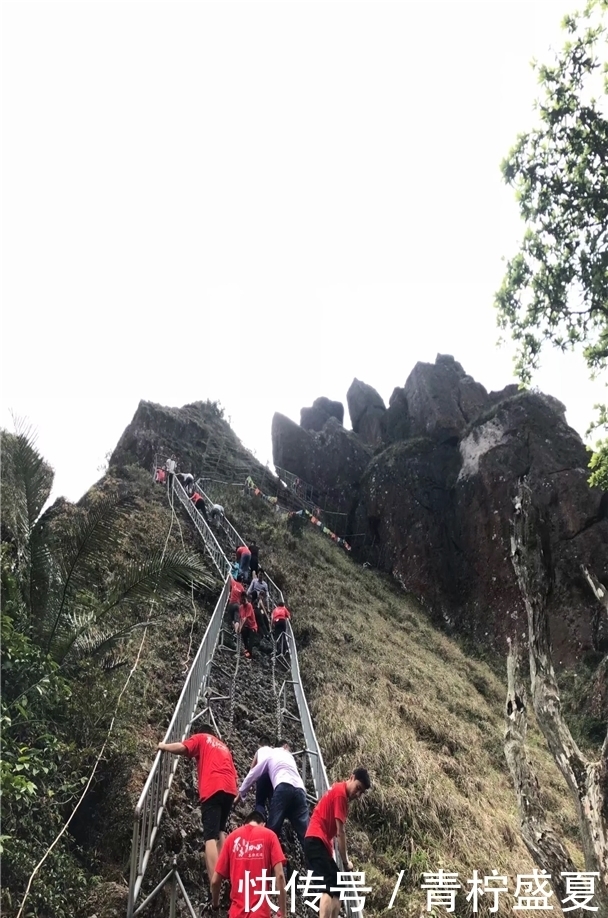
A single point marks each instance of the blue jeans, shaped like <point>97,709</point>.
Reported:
<point>288,802</point>
<point>263,792</point>
<point>244,563</point>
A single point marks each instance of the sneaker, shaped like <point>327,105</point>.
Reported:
<point>247,655</point>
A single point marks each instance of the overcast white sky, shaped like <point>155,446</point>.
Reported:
<point>255,203</point>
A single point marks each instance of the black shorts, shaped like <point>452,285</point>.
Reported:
<point>232,611</point>
<point>215,811</point>
<point>322,865</point>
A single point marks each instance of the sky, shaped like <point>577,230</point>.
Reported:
<point>256,203</point>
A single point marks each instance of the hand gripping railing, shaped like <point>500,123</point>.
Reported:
<point>276,596</point>
<point>211,543</point>
<point>153,799</point>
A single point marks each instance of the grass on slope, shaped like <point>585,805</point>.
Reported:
<point>390,692</point>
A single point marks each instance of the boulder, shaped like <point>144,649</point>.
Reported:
<point>361,397</point>
<point>322,409</point>
<point>366,410</point>
<point>442,399</point>
<point>396,422</point>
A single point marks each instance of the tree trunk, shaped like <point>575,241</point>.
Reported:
<point>540,839</point>
<point>588,781</point>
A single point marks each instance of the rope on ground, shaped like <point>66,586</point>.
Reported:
<point>105,742</point>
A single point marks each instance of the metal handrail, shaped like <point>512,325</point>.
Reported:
<point>235,539</point>
<point>211,543</point>
<point>314,754</point>
<point>153,798</point>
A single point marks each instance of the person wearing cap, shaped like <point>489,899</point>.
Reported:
<point>327,823</point>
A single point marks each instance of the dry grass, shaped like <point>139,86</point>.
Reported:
<point>390,692</point>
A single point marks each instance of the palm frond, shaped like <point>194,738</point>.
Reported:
<point>32,474</point>
<point>159,577</point>
<point>90,640</point>
<point>26,484</point>
<point>93,534</point>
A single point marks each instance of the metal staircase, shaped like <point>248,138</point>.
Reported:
<point>155,793</point>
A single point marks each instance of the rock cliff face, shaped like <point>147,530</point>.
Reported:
<point>334,458</point>
<point>435,501</point>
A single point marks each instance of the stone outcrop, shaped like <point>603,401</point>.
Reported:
<point>322,409</point>
<point>396,423</point>
<point>196,434</point>
<point>442,511</point>
<point>442,399</point>
<point>434,503</point>
<point>367,411</point>
<point>333,460</point>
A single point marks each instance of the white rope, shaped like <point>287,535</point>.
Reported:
<point>194,609</point>
<point>105,742</point>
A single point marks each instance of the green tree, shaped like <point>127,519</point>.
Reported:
<point>555,289</point>
<point>68,609</point>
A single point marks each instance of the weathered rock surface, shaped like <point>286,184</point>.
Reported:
<point>197,435</point>
<point>333,460</point>
<point>442,399</point>
<point>442,513</point>
<point>434,506</point>
<point>322,409</point>
<point>366,409</point>
<point>396,423</point>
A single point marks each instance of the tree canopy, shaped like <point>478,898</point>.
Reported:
<point>555,288</point>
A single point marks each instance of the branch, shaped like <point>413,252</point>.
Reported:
<point>541,841</point>
<point>531,562</point>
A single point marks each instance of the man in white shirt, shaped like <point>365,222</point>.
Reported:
<point>170,466</point>
<point>289,795</point>
<point>217,512</point>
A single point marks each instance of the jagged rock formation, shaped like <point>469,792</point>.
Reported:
<point>436,502</point>
<point>442,399</point>
<point>196,434</point>
<point>315,417</point>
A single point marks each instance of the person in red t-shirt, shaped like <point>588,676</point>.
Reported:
<point>326,823</point>
<point>232,609</point>
<point>199,502</point>
<point>217,786</point>
<point>247,625</point>
<point>252,848</point>
<point>280,614</point>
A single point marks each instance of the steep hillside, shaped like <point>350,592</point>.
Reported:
<point>386,690</point>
